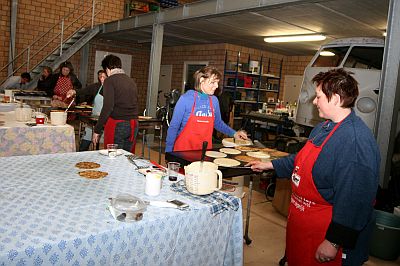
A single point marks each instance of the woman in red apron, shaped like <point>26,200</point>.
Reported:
<point>197,113</point>
<point>65,86</point>
<point>334,180</point>
<point>119,114</point>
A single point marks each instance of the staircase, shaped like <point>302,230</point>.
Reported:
<point>59,43</point>
<point>69,48</point>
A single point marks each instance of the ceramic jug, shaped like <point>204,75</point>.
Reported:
<point>202,178</point>
<point>23,114</point>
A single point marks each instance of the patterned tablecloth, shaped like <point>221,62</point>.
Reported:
<point>52,216</point>
<point>16,138</point>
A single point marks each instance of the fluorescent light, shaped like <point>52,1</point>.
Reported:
<point>296,38</point>
<point>326,53</point>
<point>384,33</point>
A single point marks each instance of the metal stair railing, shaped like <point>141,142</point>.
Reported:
<point>30,49</point>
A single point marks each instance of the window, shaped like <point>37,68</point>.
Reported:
<point>365,58</point>
<point>332,58</point>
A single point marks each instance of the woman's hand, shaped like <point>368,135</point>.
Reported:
<point>258,166</point>
<point>241,134</point>
<point>71,93</point>
<point>325,252</point>
<point>95,138</point>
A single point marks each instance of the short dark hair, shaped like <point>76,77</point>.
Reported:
<point>338,81</point>
<point>26,76</point>
<point>205,72</point>
<point>100,72</point>
<point>111,61</point>
<point>68,65</point>
<point>48,69</point>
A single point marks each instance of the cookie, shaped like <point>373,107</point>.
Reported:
<point>93,174</point>
<point>87,165</point>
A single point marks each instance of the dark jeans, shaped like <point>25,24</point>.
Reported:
<point>122,135</point>
<point>85,144</point>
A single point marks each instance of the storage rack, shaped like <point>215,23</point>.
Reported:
<point>255,85</point>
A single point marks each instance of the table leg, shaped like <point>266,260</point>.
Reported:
<point>246,231</point>
<point>159,145</point>
<point>143,141</point>
<point>79,132</point>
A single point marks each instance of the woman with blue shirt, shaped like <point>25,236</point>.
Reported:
<point>334,180</point>
<point>197,113</point>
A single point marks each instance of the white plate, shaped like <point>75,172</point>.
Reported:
<point>226,162</point>
<point>228,142</point>
<point>265,157</point>
<point>215,154</point>
<point>230,151</point>
<point>105,152</point>
<point>258,154</point>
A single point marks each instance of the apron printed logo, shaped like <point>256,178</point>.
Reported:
<point>295,177</point>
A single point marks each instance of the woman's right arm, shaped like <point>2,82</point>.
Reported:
<point>175,124</point>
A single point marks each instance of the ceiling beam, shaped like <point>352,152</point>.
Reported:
<point>197,10</point>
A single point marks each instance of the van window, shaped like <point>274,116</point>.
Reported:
<point>335,57</point>
<point>365,58</point>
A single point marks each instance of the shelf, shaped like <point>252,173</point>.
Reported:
<point>274,91</point>
<point>245,101</point>
<point>256,85</point>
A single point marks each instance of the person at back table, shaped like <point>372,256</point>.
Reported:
<point>16,82</point>
<point>334,180</point>
<point>86,95</point>
<point>92,94</point>
<point>119,115</point>
<point>197,113</point>
<point>65,85</point>
<point>45,82</point>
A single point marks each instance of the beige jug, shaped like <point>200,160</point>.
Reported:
<point>23,114</point>
<point>202,179</point>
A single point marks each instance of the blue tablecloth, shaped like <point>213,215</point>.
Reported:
<point>52,216</point>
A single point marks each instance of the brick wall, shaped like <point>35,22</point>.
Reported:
<point>35,17</point>
<point>295,65</point>
<point>177,55</point>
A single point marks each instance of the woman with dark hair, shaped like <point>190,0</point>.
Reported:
<point>119,114</point>
<point>197,113</point>
<point>92,94</point>
<point>65,85</point>
<point>334,180</point>
<point>45,82</point>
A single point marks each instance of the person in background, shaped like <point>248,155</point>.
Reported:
<point>119,115</point>
<point>197,113</point>
<point>16,82</point>
<point>334,180</point>
<point>88,94</point>
<point>92,94</point>
<point>45,82</point>
<point>65,85</point>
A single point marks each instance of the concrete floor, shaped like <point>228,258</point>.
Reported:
<point>267,227</point>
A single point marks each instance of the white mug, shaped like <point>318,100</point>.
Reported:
<point>153,183</point>
<point>58,118</point>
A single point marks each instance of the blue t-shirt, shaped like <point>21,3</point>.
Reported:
<point>182,113</point>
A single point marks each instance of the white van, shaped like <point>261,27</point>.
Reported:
<point>363,57</point>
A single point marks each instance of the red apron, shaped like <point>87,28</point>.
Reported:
<point>196,130</point>
<point>309,214</point>
<point>109,131</point>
